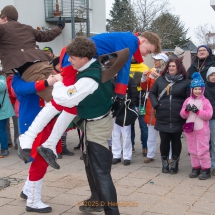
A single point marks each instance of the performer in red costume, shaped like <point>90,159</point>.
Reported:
<point>30,105</point>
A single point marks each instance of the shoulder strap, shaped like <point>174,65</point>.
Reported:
<point>3,98</point>
<point>164,90</point>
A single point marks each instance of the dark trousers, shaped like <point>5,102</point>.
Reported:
<point>143,132</point>
<point>175,139</point>
<point>100,161</point>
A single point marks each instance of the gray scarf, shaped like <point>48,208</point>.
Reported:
<point>173,78</point>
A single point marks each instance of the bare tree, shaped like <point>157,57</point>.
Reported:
<point>80,16</point>
<point>148,10</point>
<point>205,34</point>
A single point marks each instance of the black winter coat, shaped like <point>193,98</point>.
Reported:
<point>194,67</point>
<point>132,92</point>
<point>210,95</point>
<point>168,117</point>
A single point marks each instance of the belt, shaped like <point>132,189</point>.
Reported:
<point>91,120</point>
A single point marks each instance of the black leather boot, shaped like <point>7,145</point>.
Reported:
<point>66,151</point>
<point>165,164</point>
<point>174,165</point>
<point>100,161</point>
<point>92,204</point>
<point>77,147</point>
<point>205,174</point>
<point>195,173</point>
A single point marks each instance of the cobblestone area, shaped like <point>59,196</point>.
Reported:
<point>142,188</point>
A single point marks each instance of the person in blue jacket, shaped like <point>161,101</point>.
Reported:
<point>30,106</point>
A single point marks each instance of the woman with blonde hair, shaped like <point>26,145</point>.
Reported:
<point>146,83</point>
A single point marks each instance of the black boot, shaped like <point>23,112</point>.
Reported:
<point>23,154</point>
<point>92,204</point>
<point>48,156</point>
<point>77,147</point>
<point>165,164</point>
<point>100,161</point>
<point>174,165</point>
<point>65,151</point>
<point>195,173</point>
<point>205,174</point>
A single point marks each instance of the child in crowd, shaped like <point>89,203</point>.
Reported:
<point>198,109</point>
<point>125,131</point>
<point>210,95</point>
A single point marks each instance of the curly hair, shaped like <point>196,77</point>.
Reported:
<point>154,39</point>
<point>179,66</point>
<point>81,47</point>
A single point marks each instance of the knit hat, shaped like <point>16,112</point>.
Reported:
<point>9,11</point>
<point>179,52</point>
<point>205,46</point>
<point>161,56</point>
<point>48,49</point>
<point>209,72</point>
<point>197,80</point>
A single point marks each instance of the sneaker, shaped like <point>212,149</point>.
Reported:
<point>133,149</point>
<point>126,162</point>
<point>116,161</point>
<point>195,173</point>
<point>4,153</point>
<point>148,160</point>
<point>205,174</point>
<point>82,157</point>
<point>213,172</point>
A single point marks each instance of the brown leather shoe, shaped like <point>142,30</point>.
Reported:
<point>148,160</point>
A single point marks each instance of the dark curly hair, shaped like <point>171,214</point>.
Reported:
<point>81,47</point>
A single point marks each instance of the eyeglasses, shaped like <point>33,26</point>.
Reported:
<point>202,50</point>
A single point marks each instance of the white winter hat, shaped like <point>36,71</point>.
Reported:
<point>161,56</point>
<point>210,71</point>
<point>179,52</point>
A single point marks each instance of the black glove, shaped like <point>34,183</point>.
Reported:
<point>194,109</point>
<point>157,106</point>
<point>188,108</point>
<point>118,103</point>
<point>61,23</point>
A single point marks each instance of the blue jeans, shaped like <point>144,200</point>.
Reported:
<point>143,132</point>
<point>3,134</point>
<point>212,128</point>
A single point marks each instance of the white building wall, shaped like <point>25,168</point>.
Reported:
<point>31,12</point>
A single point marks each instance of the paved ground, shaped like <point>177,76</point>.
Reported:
<point>146,190</point>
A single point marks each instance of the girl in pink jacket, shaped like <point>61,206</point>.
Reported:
<point>198,109</point>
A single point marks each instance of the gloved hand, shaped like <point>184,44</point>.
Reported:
<point>194,109</point>
<point>61,23</point>
<point>188,108</point>
<point>119,102</point>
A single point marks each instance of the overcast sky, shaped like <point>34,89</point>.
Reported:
<point>192,13</point>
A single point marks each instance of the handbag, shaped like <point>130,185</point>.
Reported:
<point>127,114</point>
<point>188,127</point>
<point>141,109</point>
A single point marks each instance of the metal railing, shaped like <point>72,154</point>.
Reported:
<point>65,7</point>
